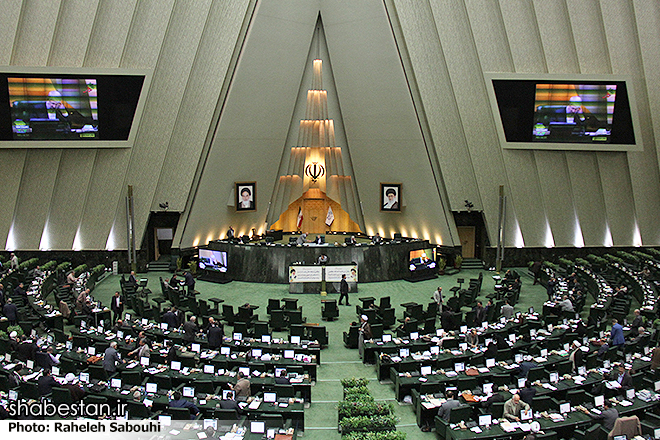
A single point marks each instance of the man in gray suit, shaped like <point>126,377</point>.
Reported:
<point>110,358</point>
<point>608,415</point>
<point>507,310</point>
<point>446,407</point>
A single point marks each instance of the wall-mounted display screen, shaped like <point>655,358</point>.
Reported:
<point>212,260</point>
<point>421,259</point>
<point>553,112</point>
<point>77,108</point>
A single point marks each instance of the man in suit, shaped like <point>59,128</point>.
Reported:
<point>527,394</point>
<point>26,349</point>
<point>479,314</point>
<point>132,279</point>
<point>110,358</point>
<point>46,383</point>
<point>231,404</point>
<point>343,290</point>
<point>214,335</point>
<point>638,321</point>
<point>190,283</point>
<point>513,407</point>
<point>117,306</point>
<point>171,319</point>
<point>624,378</point>
<point>179,402</point>
<point>242,387</point>
<point>190,329</point>
<point>13,261</point>
<point>445,408</point>
<point>437,296</point>
<point>11,312</point>
<point>616,334</point>
<point>20,291</point>
<point>608,415</point>
<point>507,310</point>
<point>51,359</point>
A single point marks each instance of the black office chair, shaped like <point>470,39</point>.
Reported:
<point>131,377</point>
<point>329,310</point>
<point>260,328</point>
<point>61,395</point>
<point>460,413</point>
<point>225,414</point>
<point>296,330</point>
<point>277,321</point>
<point>273,304</point>
<point>178,413</point>
<point>137,410</point>
<point>204,386</point>
<point>97,372</point>
<point>377,331</point>
<point>384,303</point>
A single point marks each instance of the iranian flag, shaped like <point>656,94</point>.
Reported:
<point>330,217</point>
<point>300,218</point>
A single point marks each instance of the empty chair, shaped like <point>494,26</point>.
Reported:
<point>277,321</point>
<point>329,310</point>
<point>179,413</point>
<point>415,312</point>
<point>241,327</point>
<point>61,395</point>
<point>273,304</point>
<point>460,413</point>
<point>387,317</point>
<point>297,330</point>
<point>284,390</point>
<point>318,333</point>
<point>131,377</point>
<point>225,414</point>
<point>204,386</point>
<point>97,372</point>
<point>137,410</point>
<point>260,329</point>
<point>228,313</point>
<point>351,337</point>
<point>294,316</point>
<point>377,331</point>
<point>384,303</point>
<point>429,326</point>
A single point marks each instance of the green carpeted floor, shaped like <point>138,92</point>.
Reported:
<point>337,361</point>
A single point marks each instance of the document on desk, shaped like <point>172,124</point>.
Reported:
<point>526,427</point>
<point>476,430</point>
<point>255,404</point>
<point>506,426</point>
<point>596,411</point>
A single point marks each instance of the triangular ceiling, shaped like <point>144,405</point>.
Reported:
<point>380,125</point>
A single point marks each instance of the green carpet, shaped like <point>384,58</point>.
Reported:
<point>337,361</point>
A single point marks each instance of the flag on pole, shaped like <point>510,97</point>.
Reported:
<point>300,217</point>
<point>330,217</point>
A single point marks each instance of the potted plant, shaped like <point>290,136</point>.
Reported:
<point>442,264</point>
<point>458,261</point>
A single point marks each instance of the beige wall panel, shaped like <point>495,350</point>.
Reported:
<point>381,123</point>
<point>199,102</point>
<point>555,30</point>
<point>523,35</point>
<point>104,193</point>
<point>108,39</point>
<point>585,181</point>
<point>11,169</point>
<point>627,58</point>
<point>484,28</point>
<point>526,191</point>
<point>8,27</point>
<point>35,193</point>
<point>161,110</point>
<point>433,81</point>
<point>68,201</point>
<point>559,204</point>
<point>255,121</point>
<point>589,34</point>
<point>478,41</point>
<point>146,34</point>
<point>647,16</point>
<point>617,190</point>
<point>35,32</point>
<point>72,32</point>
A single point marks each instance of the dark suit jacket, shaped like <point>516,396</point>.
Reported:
<point>343,286</point>
<point>10,311</point>
<point>109,358</point>
<point>626,381</point>
<point>183,403</point>
<point>117,304</point>
<point>170,318</point>
<point>608,417</point>
<point>189,329</point>
<point>46,384</point>
<point>214,336</point>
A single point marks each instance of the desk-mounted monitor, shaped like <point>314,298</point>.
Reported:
<point>599,401</point>
<point>56,107</point>
<point>564,112</point>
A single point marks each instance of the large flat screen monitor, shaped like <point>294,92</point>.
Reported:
<point>564,112</point>
<point>421,259</point>
<point>78,108</point>
<point>215,261</point>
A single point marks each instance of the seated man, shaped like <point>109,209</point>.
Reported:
<point>179,402</point>
<point>513,408</point>
<point>446,407</point>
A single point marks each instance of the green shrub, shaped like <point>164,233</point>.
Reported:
<point>98,269</point>
<point>3,334</point>
<point>550,265</point>
<point>352,382</point>
<point>566,262</point>
<point>49,266</point>
<point>627,256</point>
<point>613,259</point>
<point>356,390</point>
<point>642,255</point>
<point>63,266</point>
<point>364,408</point>
<point>80,269</point>
<point>382,435</point>
<point>582,262</point>
<point>366,423</point>
<point>357,397</point>
<point>599,261</point>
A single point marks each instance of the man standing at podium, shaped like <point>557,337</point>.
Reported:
<point>343,290</point>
